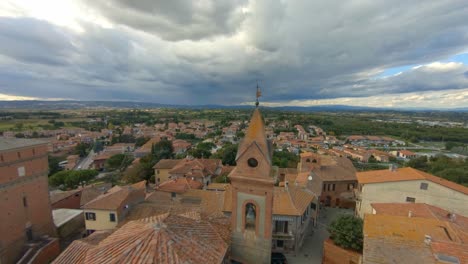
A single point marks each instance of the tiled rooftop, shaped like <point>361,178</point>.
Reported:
<point>405,174</point>
<point>161,239</point>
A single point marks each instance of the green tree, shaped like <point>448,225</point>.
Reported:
<point>72,179</point>
<point>419,163</point>
<point>285,159</point>
<point>140,141</point>
<point>162,150</point>
<point>202,150</point>
<point>346,232</point>
<point>118,161</point>
<point>98,146</point>
<point>227,154</point>
<point>54,164</point>
<point>82,149</point>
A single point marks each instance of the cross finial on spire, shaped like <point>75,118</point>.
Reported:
<point>259,93</point>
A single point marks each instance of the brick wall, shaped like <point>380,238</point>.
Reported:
<point>71,202</point>
<point>24,198</point>
<point>47,253</point>
<point>333,254</point>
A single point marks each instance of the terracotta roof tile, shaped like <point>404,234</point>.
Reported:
<point>166,164</point>
<point>161,239</point>
<point>58,196</point>
<point>405,174</point>
<point>115,198</point>
<point>179,185</point>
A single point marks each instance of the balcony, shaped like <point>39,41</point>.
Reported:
<point>283,236</point>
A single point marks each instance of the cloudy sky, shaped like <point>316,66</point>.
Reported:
<point>368,52</point>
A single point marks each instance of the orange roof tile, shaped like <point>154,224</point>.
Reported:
<point>161,239</point>
<point>408,228</point>
<point>115,198</point>
<point>166,164</point>
<point>405,174</point>
<point>179,185</point>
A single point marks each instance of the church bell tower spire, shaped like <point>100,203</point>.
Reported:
<point>252,195</point>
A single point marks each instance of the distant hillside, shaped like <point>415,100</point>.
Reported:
<point>71,104</point>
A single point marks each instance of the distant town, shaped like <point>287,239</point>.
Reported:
<point>202,185</point>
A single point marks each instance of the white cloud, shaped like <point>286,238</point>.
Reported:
<point>200,52</point>
<point>438,99</point>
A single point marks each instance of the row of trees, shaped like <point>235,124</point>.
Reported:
<point>455,170</point>
<point>71,178</point>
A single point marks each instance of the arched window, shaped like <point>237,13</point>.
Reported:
<point>314,161</point>
<point>250,216</point>
<point>307,160</point>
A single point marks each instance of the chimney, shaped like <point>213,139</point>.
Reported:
<point>392,167</point>
<point>286,183</point>
<point>427,239</point>
<point>410,214</point>
<point>452,216</point>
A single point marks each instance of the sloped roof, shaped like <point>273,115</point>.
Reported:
<point>459,223</point>
<point>166,164</point>
<point>400,239</point>
<point>161,239</point>
<point>76,251</point>
<point>406,174</point>
<point>335,168</point>
<point>255,134</point>
<point>88,194</point>
<point>58,196</point>
<point>211,202</point>
<point>114,198</point>
<point>179,185</point>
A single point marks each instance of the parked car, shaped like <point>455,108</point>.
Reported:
<point>278,258</point>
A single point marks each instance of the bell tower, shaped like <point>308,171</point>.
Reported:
<point>252,195</point>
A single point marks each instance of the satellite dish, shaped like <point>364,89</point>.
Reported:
<point>309,178</point>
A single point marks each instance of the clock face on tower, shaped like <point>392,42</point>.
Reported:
<point>252,162</point>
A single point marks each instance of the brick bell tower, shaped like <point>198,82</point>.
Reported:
<point>252,195</point>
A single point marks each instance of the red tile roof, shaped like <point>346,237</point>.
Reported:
<point>179,185</point>
<point>161,239</point>
<point>405,174</point>
<point>116,198</point>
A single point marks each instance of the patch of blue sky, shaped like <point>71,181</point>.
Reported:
<point>461,57</point>
<point>394,71</point>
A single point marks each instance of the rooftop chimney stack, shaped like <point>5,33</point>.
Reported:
<point>427,239</point>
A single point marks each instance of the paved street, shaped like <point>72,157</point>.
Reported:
<point>85,163</point>
<point>312,248</point>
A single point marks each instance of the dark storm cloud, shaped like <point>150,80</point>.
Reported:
<point>201,52</point>
<point>33,41</point>
<point>176,19</point>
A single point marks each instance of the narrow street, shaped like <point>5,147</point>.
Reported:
<point>85,163</point>
<point>311,251</point>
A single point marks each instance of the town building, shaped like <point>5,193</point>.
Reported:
<point>337,176</point>
<point>408,185</point>
<point>252,196</point>
<point>164,239</point>
<point>26,214</point>
<point>414,233</point>
<point>109,209</point>
<point>202,170</point>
